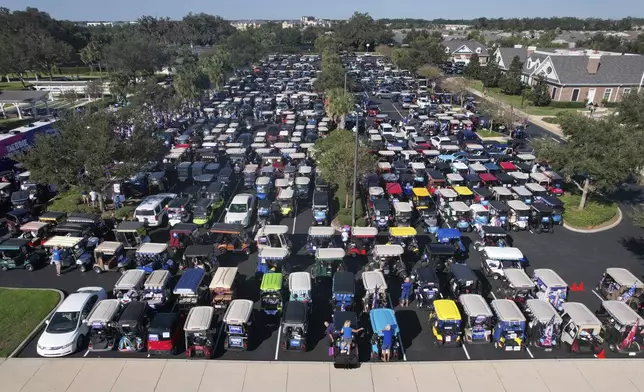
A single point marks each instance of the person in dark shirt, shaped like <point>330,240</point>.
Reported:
<point>330,329</point>
<point>387,339</point>
<point>406,288</point>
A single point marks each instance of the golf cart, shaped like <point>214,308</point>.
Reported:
<point>199,256</point>
<point>494,260</point>
<point>75,252</point>
<point>478,318</point>
<point>362,240</point>
<point>231,238</point>
<point>622,328</point>
<point>388,260</point>
<point>286,202</point>
<point>581,329</point>
<point>320,208</point>
<point>544,325</point>
<point>319,237</point>
<point>375,287</point>
<point>199,330</point>
<point>110,256</point>
<point>492,236</point>
<point>302,185</point>
<point>103,334</point>
<point>236,323</point>
<point>150,257</point>
<point>131,234</point>
<point>17,253</point>
<point>550,287</point>
<point>402,216</point>
<point>295,325</point>
<point>221,287</point>
<point>129,287</point>
<point>273,236</point>
<point>327,262</point>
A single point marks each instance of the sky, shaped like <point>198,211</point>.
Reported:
<point>126,10</point>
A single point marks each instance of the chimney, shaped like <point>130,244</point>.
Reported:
<point>593,63</point>
<point>531,49</point>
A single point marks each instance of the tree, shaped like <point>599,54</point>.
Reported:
<point>339,105</point>
<point>332,74</point>
<point>511,82</point>
<point>216,66</point>
<point>245,47</point>
<point>491,74</point>
<point>540,95</point>
<point>457,86</point>
<point>403,59</point>
<point>600,151</point>
<point>190,82</point>
<point>473,69</point>
<point>92,54</point>
<point>84,152</point>
<point>361,30</point>
<point>499,114</point>
<point>134,55</point>
<point>49,52</point>
<point>325,43</point>
<point>630,110</point>
<point>429,72</point>
<point>94,89</point>
<point>385,50</point>
<point>335,156</point>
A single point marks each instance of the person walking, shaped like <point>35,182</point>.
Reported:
<point>330,329</point>
<point>85,197</point>
<point>57,259</point>
<point>387,339</point>
<point>406,292</point>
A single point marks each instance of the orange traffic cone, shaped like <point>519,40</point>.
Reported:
<point>580,287</point>
<point>601,354</point>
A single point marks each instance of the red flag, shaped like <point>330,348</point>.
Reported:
<point>631,335</point>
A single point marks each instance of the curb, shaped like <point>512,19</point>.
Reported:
<point>33,333</point>
<point>620,216</point>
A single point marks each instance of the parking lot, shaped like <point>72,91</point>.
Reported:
<point>577,258</point>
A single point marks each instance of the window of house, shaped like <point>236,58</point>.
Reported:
<point>607,93</point>
<point>446,50</point>
<point>575,95</point>
<point>478,50</point>
<point>626,91</point>
<point>554,93</point>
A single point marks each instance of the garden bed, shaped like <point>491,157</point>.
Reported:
<point>22,310</point>
<point>596,214</point>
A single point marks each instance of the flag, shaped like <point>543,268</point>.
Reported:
<point>630,293</point>
<point>549,332</point>
<point>375,298</point>
<point>555,302</point>
<point>631,335</point>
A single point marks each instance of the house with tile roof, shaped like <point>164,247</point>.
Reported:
<point>461,50</point>
<point>578,75</point>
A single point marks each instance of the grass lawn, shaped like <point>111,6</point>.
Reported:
<point>551,120</point>
<point>13,85</point>
<point>516,100</point>
<point>21,311</point>
<point>595,213</point>
<point>11,123</point>
<point>344,215</point>
<point>487,133</point>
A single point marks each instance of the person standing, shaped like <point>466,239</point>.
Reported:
<point>387,339</point>
<point>57,259</point>
<point>347,336</point>
<point>406,292</point>
<point>330,329</point>
<point>93,196</point>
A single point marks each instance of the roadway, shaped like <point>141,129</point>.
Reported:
<point>578,258</point>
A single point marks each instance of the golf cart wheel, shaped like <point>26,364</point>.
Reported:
<point>4,268</point>
<point>80,342</point>
<point>83,268</point>
<point>29,267</point>
<point>539,230</point>
<point>122,270</point>
<point>247,251</point>
<point>97,269</point>
<point>515,228</point>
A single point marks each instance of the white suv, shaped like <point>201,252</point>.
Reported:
<point>240,209</point>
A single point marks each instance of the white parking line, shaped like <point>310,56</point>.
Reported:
<point>402,348</point>
<point>531,232</point>
<point>465,351</point>
<point>493,296</point>
<point>277,345</point>
<point>529,352</point>
<point>398,111</point>
<point>86,352</point>
<point>294,219</point>
<point>597,295</point>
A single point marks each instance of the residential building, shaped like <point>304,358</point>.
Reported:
<point>455,27</point>
<point>578,75</point>
<point>461,50</point>
<point>246,24</point>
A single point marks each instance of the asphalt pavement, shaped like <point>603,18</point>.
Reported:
<point>577,258</point>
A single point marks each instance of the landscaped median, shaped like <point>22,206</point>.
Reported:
<point>21,310</point>
<point>596,214</point>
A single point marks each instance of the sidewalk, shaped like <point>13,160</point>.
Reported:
<point>157,375</point>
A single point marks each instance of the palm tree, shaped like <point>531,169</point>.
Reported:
<point>339,104</point>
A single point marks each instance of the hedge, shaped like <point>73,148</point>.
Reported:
<point>610,104</point>
<point>567,105</point>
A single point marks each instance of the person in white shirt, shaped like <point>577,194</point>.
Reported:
<point>93,196</point>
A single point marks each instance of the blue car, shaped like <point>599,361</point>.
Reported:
<point>380,318</point>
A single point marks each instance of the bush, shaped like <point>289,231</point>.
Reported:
<point>610,104</point>
<point>595,213</point>
<point>551,120</point>
<point>567,105</point>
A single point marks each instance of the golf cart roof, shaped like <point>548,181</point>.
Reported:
<point>542,311</point>
<point>129,226</point>
<point>519,175</point>
<point>448,193</point>
<point>329,253</point>
<point>501,191</point>
<point>459,206</point>
<point>104,312</point>
<point>150,248</point>
<point>199,319</point>
<point>478,208</point>
<point>320,199</point>
<point>534,187</point>
<point>157,280</point>
<point>296,312</point>
<point>344,282</point>
<point>376,191</point>
<point>373,280</point>
<point>518,205</point>
<point>281,182</point>
<point>262,181</point>
<point>33,226</point>
<point>198,250</point>
<point>223,278</point>
<point>52,215</point>
<point>437,249</point>
<point>580,314</point>
<point>521,191</point>
<point>285,194</point>
<point>189,281</point>
<point>478,167</point>
<point>364,231</point>
<point>273,229</point>
<point>226,228</point>
<point>381,205</point>
<point>622,313</point>
<point>402,207</point>
<point>108,247</point>
<point>463,273</point>
<point>518,278</point>
<point>475,305</point>
<point>14,243</point>
<point>63,241</point>
<point>130,279</point>
<point>505,253</point>
<point>305,169</point>
<point>302,181</point>
<point>299,281</point>
<point>493,231</point>
<point>380,318</point>
<point>507,310</point>
<point>624,277</point>
<point>321,231</point>
<point>539,177</point>
<point>272,253</point>
<point>239,311</point>
<point>549,277</point>
<point>388,250</point>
